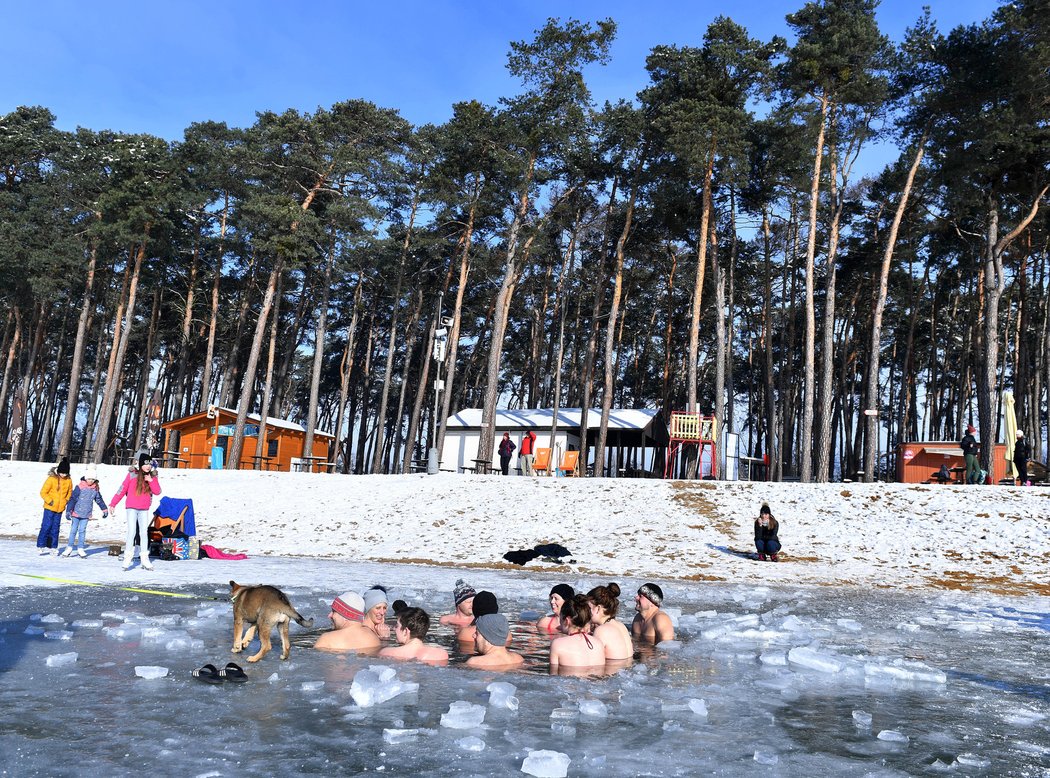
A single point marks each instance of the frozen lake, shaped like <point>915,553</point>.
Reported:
<point>794,681</point>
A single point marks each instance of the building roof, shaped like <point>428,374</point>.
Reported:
<point>253,418</point>
<point>568,418</point>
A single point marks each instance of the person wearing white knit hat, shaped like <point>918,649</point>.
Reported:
<point>348,632</point>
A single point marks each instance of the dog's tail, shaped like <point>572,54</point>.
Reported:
<point>305,623</point>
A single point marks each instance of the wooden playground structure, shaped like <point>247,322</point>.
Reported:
<point>692,429</point>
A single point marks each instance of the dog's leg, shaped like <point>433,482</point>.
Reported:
<point>265,627</point>
<point>238,623</point>
<point>286,646</point>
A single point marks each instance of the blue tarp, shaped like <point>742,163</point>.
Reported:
<point>171,507</point>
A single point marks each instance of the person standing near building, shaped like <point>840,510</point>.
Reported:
<point>528,452</point>
<point>1021,454</point>
<point>970,449</point>
<point>505,450</point>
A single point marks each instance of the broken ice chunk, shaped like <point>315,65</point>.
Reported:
<point>463,715</point>
<point>311,686</point>
<point>150,672</point>
<point>766,757</point>
<point>972,760</point>
<point>849,625</point>
<point>52,618</point>
<point>546,764</point>
<point>501,695</point>
<point>698,706</point>
<point>61,660</point>
<point>861,718</point>
<point>378,684</point>
<point>31,630</point>
<point>814,660</point>
<point>595,708</point>
<point>123,632</point>
<point>87,624</point>
<point>901,670</point>
<point>471,743</point>
<point>892,736</point>
<point>394,736</point>
<point>773,658</point>
<point>58,634</point>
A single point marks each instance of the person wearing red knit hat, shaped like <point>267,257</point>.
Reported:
<point>348,630</point>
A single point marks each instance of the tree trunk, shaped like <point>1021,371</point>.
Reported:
<point>320,336</point>
<point>806,449</point>
<point>611,356</point>
<point>698,288</point>
<point>113,376</point>
<point>77,367</point>
<point>388,367</point>
<point>872,384</point>
<point>236,444</point>
<point>503,301</point>
<point>213,323</point>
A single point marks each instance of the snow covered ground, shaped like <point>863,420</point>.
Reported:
<point>905,633</point>
<point>986,538</point>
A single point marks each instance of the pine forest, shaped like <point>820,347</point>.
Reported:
<point>710,244</point>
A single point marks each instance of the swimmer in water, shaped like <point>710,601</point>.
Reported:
<point>617,640</point>
<point>576,648</point>
<point>348,632</point>
<point>551,625</point>
<point>463,595</point>
<point>490,641</point>
<point>410,629</point>
<point>650,623</point>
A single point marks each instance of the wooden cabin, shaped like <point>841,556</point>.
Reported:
<point>918,462</point>
<point>201,433</point>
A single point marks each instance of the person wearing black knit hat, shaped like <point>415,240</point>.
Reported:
<point>651,623</point>
<point>484,604</point>
<point>551,625</point>
<point>55,492</point>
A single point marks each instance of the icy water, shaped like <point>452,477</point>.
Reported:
<point>804,682</point>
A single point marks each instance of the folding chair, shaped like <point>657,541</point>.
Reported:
<point>570,463</point>
<point>542,461</point>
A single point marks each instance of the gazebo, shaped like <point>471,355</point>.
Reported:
<point>635,436</point>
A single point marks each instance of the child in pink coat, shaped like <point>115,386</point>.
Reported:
<point>139,486</point>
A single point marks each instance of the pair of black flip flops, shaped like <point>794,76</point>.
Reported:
<point>233,673</point>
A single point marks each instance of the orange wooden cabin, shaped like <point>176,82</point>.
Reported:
<point>202,432</point>
<point>919,461</point>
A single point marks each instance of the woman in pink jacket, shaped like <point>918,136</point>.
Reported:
<point>139,486</point>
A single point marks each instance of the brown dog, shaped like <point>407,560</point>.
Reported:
<point>262,607</point>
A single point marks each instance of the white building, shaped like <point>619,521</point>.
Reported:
<point>642,431</point>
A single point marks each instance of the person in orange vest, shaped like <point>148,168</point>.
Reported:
<point>528,452</point>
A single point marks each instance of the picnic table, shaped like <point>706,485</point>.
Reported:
<point>307,464</point>
<point>481,466</point>
<point>261,462</point>
<point>171,457</point>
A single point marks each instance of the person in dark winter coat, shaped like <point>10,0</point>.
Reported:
<point>766,540</point>
<point>1021,454</point>
<point>970,449</point>
<point>506,449</point>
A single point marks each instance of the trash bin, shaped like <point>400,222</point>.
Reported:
<point>216,458</point>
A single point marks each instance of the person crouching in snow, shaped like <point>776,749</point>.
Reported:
<point>766,540</point>
<point>139,486</point>
<point>81,506</point>
<point>55,493</point>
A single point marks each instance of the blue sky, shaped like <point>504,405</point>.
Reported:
<point>157,67</point>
